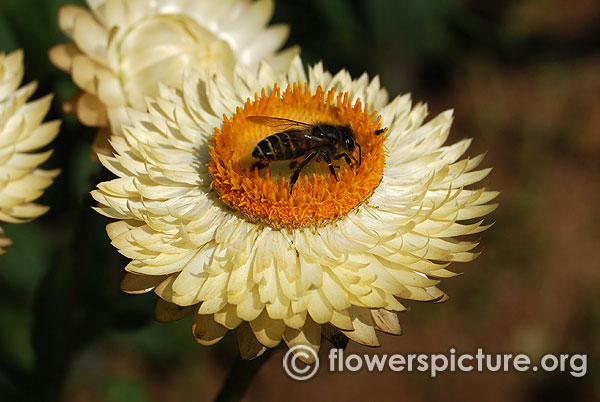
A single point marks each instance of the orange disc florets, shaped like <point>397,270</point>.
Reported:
<point>264,195</point>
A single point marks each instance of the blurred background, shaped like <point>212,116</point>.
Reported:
<point>524,79</point>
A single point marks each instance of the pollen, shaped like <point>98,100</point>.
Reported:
<point>264,194</point>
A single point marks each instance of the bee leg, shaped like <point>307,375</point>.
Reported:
<point>328,160</point>
<point>300,167</point>
<point>348,160</point>
<point>260,164</point>
<point>345,156</point>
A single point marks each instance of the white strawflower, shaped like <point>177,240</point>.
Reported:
<point>123,48</point>
<point>214,236</point>
<point>22,133</point>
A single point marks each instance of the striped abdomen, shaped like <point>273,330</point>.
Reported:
<point>283,146</point>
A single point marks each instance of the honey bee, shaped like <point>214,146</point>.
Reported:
<point>295,139</point>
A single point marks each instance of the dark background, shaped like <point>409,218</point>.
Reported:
<point>524,80</point>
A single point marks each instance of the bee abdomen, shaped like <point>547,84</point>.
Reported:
<point>279,147</point>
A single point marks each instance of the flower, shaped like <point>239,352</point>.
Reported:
<point>21,134</point>
<point>233,243</point>
<point>122,49</point>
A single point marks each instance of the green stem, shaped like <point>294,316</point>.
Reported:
<point>240,377</point>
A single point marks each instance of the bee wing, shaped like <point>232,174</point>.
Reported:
<point>315,138</point>
<point>278,123</point>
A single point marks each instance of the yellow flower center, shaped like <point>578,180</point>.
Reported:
<point>264,194</point>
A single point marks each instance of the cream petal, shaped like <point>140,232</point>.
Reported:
<point>67,16</point>
<point>342,320</point>
<point>90,36</point>
<point>84,73</point>
<point>265,44</point>
<point>169,312</point>
<point>115,11</point>
<point>309,335</point>
<point>62,56</point>
<point>139,284</point>
<point>206,331</point>
<point>318,307</point>
<point>364,332</point>
<point>279,308</point>
<point>245,29</point>
<point>250,307</point>
<point>250,348</point>
<point>386,321</point>
<point>296,321</point>
<point>90,110</point>
<point>228,317</point>
<point>311,273</point>
<point>109,89</point>
<point>335,292</point>
<point>267,331</point>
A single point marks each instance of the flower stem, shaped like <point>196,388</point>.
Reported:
<point>240,377</point>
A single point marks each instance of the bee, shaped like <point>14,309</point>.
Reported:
<point>295,139</point>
